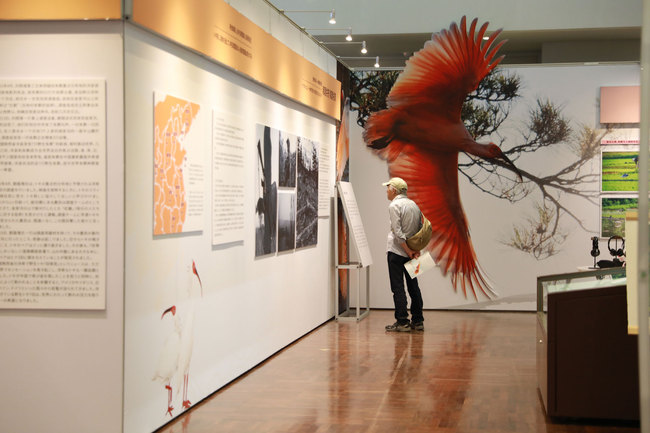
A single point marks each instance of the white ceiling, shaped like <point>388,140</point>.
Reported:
<point>550,31</point>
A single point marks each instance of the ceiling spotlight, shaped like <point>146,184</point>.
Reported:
<point>364,50</point>
<point>349,36</point>
<point>332,17</point>
<point>377,62</point>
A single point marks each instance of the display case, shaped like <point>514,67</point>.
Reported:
<point>587,364</point>
<point>569,282</point>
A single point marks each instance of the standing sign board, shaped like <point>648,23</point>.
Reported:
<point>351,210</point>
<point>354,219</point>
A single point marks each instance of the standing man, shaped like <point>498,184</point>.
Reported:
<point>405,221</point>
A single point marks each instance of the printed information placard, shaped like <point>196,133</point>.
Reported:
<point>354,220</point>
<point>324,185</point>
<point>228,177</point>
<point>53,193</point>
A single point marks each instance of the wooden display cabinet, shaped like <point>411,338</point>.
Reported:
<point>587,364</point>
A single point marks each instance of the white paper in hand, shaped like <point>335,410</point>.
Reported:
<point>417,267</point>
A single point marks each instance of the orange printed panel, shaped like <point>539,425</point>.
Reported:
<point>620,104</point>
<point>60,9</point>
<point>175,150</point>
<point>215,29</point>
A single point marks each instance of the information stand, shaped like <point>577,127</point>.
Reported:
<point>346,194</point>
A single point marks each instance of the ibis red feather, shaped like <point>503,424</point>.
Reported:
<point>421,133</point>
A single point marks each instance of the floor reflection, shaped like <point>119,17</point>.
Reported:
<point>467,372</point>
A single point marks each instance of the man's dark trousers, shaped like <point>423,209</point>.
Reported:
<point>396,273</point>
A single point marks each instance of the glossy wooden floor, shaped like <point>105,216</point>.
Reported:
<point>467,372</point>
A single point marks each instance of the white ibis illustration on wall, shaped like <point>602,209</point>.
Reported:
<point>176,354</point>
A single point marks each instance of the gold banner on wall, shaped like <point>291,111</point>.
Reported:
<point>215,29</point>
<point>60,9</point>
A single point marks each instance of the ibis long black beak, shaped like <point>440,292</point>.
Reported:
<point>171,309</point>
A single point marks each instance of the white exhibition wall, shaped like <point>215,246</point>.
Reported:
<point>249,307</point>
<point>575,90</point>
<point>62,369</point>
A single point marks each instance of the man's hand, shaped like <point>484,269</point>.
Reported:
<point>411,253</point>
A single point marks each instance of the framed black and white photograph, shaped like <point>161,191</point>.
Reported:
<point>287,159</point>
<point>307,190</point>
<point>286,220</point>
<point>266,187</point>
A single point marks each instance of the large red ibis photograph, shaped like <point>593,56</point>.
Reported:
<point>518,146</point>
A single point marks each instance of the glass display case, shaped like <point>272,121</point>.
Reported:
<point>583,280</point>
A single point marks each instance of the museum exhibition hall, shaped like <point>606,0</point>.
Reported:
<point>194,216</point>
